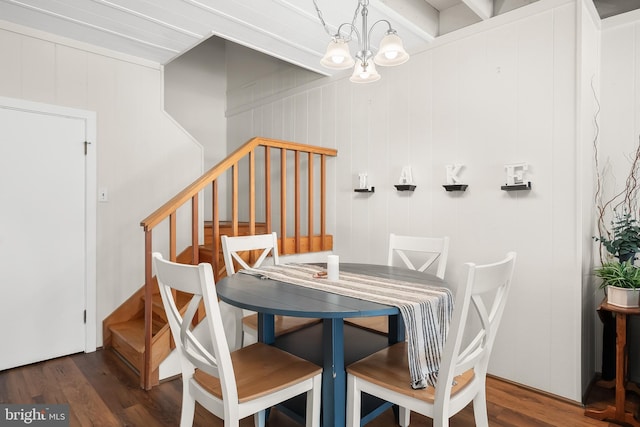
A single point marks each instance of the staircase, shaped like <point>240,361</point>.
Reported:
<point>140,322</point>
<point>124,329</point>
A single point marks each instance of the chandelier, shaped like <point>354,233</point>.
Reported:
<point>338,57</point>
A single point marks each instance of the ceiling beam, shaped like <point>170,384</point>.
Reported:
<point>482,8</point>
<point>417,15</point>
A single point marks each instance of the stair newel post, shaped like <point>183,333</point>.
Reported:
<point>148,274</point>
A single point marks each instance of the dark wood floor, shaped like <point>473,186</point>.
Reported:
<point>101,392</point>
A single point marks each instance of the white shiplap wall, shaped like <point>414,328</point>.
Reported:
<point>143,156</point>
<point>620,118</point>
<point>501,92</point>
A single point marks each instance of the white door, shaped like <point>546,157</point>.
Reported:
<point>42,236</point>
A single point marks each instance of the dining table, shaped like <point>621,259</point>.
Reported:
<point>326,343</point>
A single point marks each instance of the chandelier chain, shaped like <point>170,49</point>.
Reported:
<point>353,21</point>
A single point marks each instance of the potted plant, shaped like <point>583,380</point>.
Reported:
<point>625,200</point>
<point>621,280</point>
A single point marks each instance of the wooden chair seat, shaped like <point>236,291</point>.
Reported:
<point>260,370</point>
<point>389,368</point>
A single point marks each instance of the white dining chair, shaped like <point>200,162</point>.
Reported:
<point>231,385</point>
<point>424,251</point>
<point>462,373</point>
<point>237,250</point>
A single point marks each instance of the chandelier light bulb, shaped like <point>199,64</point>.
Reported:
<point>391,51</point>
<point>392,54</point>
<point>337,56</point>
<point>365,72</point>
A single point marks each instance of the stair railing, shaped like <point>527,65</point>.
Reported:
<point>191,194</point>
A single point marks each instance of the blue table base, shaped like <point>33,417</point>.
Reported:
<point>308,344</point>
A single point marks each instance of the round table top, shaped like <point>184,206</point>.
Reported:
<point>280,298</point>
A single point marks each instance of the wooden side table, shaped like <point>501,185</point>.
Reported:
<point>617,412</point>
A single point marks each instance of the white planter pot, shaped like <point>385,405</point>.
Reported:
<point>623,297</point>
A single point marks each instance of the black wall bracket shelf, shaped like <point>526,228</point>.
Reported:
<point>365,190</point>
<point>518,187</point>
<point>405,187</point>
<point>455,187</point>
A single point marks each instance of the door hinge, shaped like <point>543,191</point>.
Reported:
<point>85,316</point>
<point>86,144</point>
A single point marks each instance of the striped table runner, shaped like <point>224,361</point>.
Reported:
<point>426,310</point>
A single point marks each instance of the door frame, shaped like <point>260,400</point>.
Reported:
<point>89,118</point>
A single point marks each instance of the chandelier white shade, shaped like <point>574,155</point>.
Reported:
<point>365,73</point>
<point>391,51</point>
<point>338,56</point>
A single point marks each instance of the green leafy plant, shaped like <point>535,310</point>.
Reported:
<point>620,274</point>
<point>624,239</point>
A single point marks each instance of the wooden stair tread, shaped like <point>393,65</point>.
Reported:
<point>131,332</point>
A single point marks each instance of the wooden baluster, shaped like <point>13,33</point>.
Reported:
<point>234,200</point>
<point>267,188</point>
<point>172,240</point>
<point>215,219</point>
<point>297,201</point>
<point>252,192</point>
<point>252,202</point>
<point>283,200</point>
<point>172,237</point>
<point>195,241</point>
<point>310,203</point>
<point>323,201</point>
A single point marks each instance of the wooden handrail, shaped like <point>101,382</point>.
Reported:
<point>191,194</point>
<point>185,195</point>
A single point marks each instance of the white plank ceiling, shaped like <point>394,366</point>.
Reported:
<point>161,30</point>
